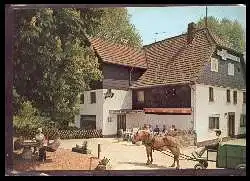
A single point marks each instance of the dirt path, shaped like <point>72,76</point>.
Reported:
<point>126,156</point>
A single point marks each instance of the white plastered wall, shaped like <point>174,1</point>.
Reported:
<point>92,109</point>
<point>204,109</point>
<point>121,100</point>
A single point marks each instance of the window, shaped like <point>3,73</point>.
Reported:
<point>214,64</point>
<point>213,122</point>
<point>92,97</point>
<point>244,97</point>
<point>242,120</point>
<point>140,96</point>
<point>82,99</point>
<point>88,122</point>
<point>235,97</point>
<point>230,69</point>
<point>211,94</point>
<point>228,95</point>
<point>109,119</point>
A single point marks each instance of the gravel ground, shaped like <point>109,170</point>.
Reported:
<point>126,156</point>
<point>62,159</point>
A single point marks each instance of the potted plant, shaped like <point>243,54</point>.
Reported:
<point>102,165</point>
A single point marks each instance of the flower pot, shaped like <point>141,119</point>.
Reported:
<point>101,167</point>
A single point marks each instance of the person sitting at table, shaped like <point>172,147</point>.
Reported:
<point>164,129</point>
<point>172,131</point>
<point>18,143</point>
<point>40,138</point>
<point>156,130</point>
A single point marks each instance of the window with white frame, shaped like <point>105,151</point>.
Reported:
<point>214,64</point>
<point>230,67</point>
<point>242,120</point>
<point>213,122</point>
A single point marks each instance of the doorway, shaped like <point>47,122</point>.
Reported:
<point>231,124</point>
<point>121,122</point>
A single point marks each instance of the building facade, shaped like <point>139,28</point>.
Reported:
<point>194,81</point>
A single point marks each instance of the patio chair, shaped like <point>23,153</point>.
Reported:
<point>52,147</point>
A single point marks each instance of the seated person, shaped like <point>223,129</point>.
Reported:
<point>199,152</point>
<point>150,128</point>
<point>40,138</point>
<point>18,143</point>
<point>172,131</point>
<point>164,129</point>
<point>157,130</point>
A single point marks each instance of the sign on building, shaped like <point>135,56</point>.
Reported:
<point>225,55</point>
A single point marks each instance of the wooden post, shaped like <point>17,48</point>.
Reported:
<point>99,150</point>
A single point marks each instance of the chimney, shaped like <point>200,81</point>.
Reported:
<point>190,32</point>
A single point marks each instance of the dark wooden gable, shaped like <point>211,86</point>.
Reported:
<point>170,96</point>
<point>221,78</point>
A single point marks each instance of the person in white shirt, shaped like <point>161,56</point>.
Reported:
<point>40,138</point>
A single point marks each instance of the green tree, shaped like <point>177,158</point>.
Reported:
<point>230,31</point>
<point>53,62</point>
<point>115,25</point>
<point>27,117</point>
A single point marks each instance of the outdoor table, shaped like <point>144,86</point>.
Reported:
<point>27,151</point>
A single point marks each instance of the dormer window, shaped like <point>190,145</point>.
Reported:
<point>214,65</point>
<point>230,69</point>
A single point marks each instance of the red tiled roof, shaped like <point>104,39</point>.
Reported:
<point>173,61</point>
<point>168,110</point>
<point>170,61</point>
<point>119,54</point>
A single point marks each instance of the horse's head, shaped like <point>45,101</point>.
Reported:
<point>140,135</point>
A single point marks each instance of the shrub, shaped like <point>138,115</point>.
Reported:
<point>27,117</point>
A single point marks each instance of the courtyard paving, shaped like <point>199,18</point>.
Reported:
<point>126,156</point>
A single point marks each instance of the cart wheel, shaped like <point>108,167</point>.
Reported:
<point>199,166</point>
<point>241,166</point>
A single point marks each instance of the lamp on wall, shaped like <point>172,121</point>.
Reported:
<point>108,94</point>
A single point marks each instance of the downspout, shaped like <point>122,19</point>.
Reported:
<point>130,76</point>
<point>194,110</point>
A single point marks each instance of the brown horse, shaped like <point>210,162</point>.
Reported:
<point>160,143</point>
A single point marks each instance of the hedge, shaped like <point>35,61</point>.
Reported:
<point>64,134</point>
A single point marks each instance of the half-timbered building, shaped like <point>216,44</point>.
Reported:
<point>194,81</point>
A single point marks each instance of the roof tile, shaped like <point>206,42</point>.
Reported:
<point>119,54</point>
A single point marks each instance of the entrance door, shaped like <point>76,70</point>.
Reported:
<point>121,122</point>
<point>231,124</point>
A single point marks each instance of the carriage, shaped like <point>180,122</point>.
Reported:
<point>230,154</point>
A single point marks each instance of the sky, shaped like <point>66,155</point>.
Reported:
<point>172,21</point>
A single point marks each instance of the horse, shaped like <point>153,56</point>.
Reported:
<point>160,143</point>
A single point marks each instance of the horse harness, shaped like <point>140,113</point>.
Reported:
<point>150,143</point>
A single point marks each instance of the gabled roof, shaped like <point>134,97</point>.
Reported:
<point>118,54</point>
<point>170,61</point>
<point>174,61</point>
